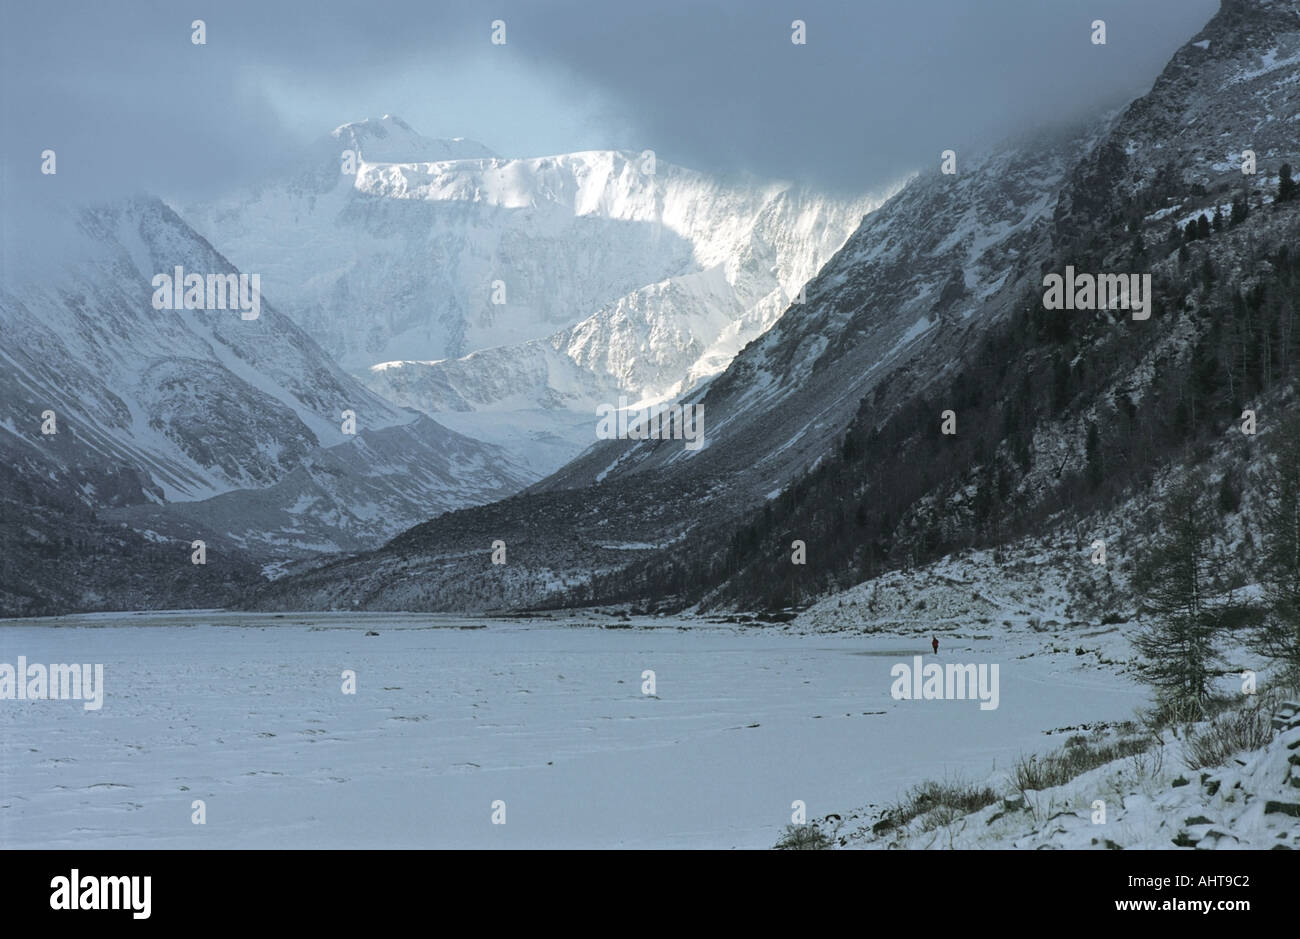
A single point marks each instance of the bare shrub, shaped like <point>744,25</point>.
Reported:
<point>1080,755</point>
<point>937,804</point>
<point>1231,732</point>
<point>804,838</point>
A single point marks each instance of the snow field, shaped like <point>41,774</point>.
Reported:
<point>246,712</point>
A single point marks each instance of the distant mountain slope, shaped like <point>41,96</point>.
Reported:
<point>777,409</point>
<point>936,262</point>
<point>826,429</point>
<point>159,411</point>
<point>443,276</point>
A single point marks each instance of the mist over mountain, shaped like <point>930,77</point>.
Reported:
<point>441,326</point>
<point>688,425</point>
<point>508,298</point>
<point>184,424</point>
<point>827,428</point>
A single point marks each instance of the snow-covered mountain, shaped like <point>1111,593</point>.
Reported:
<point>204,423</point>
<point>911,317</point>
<point>507,297</point>
<point>391,140</point>
<point>916,279</point>
<point>903,296</point>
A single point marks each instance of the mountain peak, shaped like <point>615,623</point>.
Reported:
<point>389,139</point>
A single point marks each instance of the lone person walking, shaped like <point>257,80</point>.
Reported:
<point>934,644</point>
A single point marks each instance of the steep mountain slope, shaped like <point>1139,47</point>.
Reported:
<point>157,410</point>
<point>935,303</point>
<point>1231,88</point>
<point>456,282</point>
<point>1062,414</point>
<point>777,409</point>
<point>935,262</point>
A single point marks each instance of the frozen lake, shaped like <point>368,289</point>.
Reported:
<point>247,713</point>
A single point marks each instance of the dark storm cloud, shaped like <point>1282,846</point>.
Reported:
<point>879,86</point>
<point>128,102</point>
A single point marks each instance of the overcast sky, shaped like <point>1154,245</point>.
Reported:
<point>127,101</point>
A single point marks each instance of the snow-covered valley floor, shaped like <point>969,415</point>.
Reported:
<point>247,713</point>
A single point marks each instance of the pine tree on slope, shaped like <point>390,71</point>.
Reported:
<point>1173,578</point>
<point>1281,530</point>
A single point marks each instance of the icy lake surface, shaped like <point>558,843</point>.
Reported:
<point>247,713</point>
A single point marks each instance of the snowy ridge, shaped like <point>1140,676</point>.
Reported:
<point>391,140</point>
<point>203,403</point>
<point>768,417</point>
<point>650,279</point>
<point>913,265</point>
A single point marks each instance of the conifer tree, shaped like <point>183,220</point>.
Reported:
<point>1286,186</point>
<point>1240,209</point>
<point>1173,580</point>
<point>1096,470</point>
<point>1281,530</point>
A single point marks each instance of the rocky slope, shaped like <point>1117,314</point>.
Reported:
<point>872,311</point>
<point>934,302</point>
